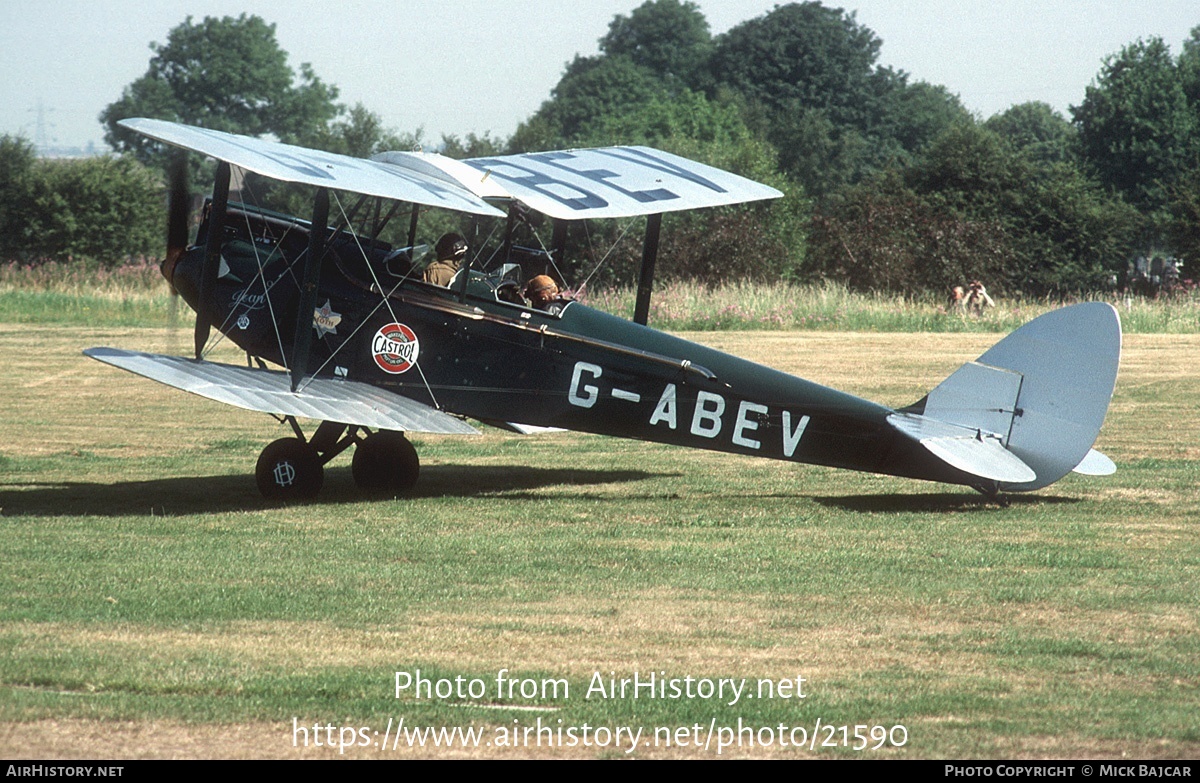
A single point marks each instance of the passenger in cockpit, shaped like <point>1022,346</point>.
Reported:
<point>450,250</point>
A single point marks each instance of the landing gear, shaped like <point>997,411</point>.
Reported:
<point>289,470</point>
<point>386,463</point>
<point>293,469</point>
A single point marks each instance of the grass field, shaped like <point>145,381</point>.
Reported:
<point>152,605</point>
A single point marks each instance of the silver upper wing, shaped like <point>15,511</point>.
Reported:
<point>290,163</point>
<point>607,182</point>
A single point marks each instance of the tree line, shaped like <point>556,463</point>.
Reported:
<point>891,183</point>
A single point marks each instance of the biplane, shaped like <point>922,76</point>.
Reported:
<point>341,328</point>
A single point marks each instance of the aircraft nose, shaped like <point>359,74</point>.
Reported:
<point>167,267</point>
<point>181,272</point>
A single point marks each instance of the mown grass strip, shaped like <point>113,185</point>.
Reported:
<point>146,581</point>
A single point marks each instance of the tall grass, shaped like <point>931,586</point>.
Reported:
<point>136,295</point>
<point>83,293</point>
<point>831,306</point>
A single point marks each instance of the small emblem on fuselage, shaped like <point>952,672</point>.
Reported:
<point>395,348</point>
<point>325,320</point>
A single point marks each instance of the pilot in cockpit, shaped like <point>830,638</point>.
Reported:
<point>450,250</point>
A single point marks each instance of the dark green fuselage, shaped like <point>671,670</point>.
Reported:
<point>470,353</point>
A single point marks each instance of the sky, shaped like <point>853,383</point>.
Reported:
<point>483,66</point>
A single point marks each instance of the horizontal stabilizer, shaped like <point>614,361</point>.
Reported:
<point>1096,464</point>
<point>969,450</point>
<point>270,391</point>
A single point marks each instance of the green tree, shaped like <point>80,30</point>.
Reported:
<point>916,114</point>
<point>225,74</point>
<point>1189,68</point>
<point>1136,125</point>
<point>18,159</point>
<point>669,38</point>
<point>540,132</point>
<point>971,169</point>
<point>806,55</point>
<point>974,207</point>
<point>653,53</point>
<point>1065,231</point>
<point>1183,198</point>
<point>471,146</point>
<point>817,151</point>
<point>106,208</point>
<point>812,88</point>
<point>1183,225</point>
<point>664,119</point>
<point>1036,130</point>
<point>591,90</point>
<point>882,235</point>
<point>361,133</point>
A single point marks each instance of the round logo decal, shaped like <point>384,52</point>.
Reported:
<point>285,474</point>
<point>395,348</point>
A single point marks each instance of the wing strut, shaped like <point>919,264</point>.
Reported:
<point>308,287</point>
<point>558,242</point>
<point>509,225</point>
<point>212,256</point>
<point>641,311</point>
<point>412,230</point>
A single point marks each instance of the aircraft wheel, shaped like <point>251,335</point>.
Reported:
<point>386,463</point>
<point>290,470</point>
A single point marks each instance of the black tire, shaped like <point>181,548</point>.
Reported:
<point>289,470</point>
<point>385,463</point>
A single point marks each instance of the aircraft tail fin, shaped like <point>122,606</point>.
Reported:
<point>1041,393</point>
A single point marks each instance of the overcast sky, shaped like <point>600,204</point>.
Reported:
<point>460,66</point>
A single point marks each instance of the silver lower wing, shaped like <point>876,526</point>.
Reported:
<point>270,391</point>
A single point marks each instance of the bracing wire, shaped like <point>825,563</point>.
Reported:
<point>385,301</point>
<point>261,276</point>
<point>600,264</point>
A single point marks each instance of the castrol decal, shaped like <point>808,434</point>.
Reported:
<point>395,348</point>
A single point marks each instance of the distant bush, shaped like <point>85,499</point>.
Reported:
<point>975,207</point>
<point>108,209</point>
